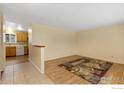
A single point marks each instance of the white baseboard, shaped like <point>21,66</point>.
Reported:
<point>35,66</point>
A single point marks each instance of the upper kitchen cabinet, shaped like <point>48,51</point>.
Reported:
<point>25,36</point>
<point>22,36</point>
<point>18,36</point>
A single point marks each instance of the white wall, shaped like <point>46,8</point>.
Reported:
<point>2,47</point>
<point>58,42</point>
<point>106,43</point>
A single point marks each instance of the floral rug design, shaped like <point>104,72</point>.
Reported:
<point>89,69</point>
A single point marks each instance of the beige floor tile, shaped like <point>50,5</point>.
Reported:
<point>9,68</point>
<point>17,72</point>
<point>8,80</point>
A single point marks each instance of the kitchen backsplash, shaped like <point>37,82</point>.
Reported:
<point>17,44</point>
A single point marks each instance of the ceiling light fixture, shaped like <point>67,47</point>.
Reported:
<point>19,27</point>
<point>29,30</point>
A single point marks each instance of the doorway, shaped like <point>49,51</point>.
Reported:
<point>16,44</point>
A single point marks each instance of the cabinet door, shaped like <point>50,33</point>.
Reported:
<point>12,51</point>
<point>26,50</point>
<point>26,36</point>
<point>7,51</point>
<point>18,35</point>
<point>22,37</point>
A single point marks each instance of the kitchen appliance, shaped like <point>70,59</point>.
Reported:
<point>19,50</point>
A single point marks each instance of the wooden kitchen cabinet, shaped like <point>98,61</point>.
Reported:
<point>26,36</point>
<point>7,52</point>
<point>25,50</point>
<point>10,51</point>
<point>22,36</point>
<point>18,36</point>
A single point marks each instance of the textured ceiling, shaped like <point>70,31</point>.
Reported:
<point>73,17</point>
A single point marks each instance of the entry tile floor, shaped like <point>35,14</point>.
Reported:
<point>16,60</point>
<point>23,73</point>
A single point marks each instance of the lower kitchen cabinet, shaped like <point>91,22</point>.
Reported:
<point>10,51</point>
<point>25,50</point>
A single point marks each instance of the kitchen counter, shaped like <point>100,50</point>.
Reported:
<point>38,46</point>
<point>16,49</point>
<point>37,57</point>
<point>16,45</point>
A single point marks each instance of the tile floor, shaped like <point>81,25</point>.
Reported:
<point>23,73</point>
<point>16,60</point>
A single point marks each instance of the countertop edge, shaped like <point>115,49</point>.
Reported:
<point>38,46</point>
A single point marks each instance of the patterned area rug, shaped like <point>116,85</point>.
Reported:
<point>89,69</point>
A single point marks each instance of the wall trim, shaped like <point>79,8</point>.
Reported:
<point>35,66</point>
